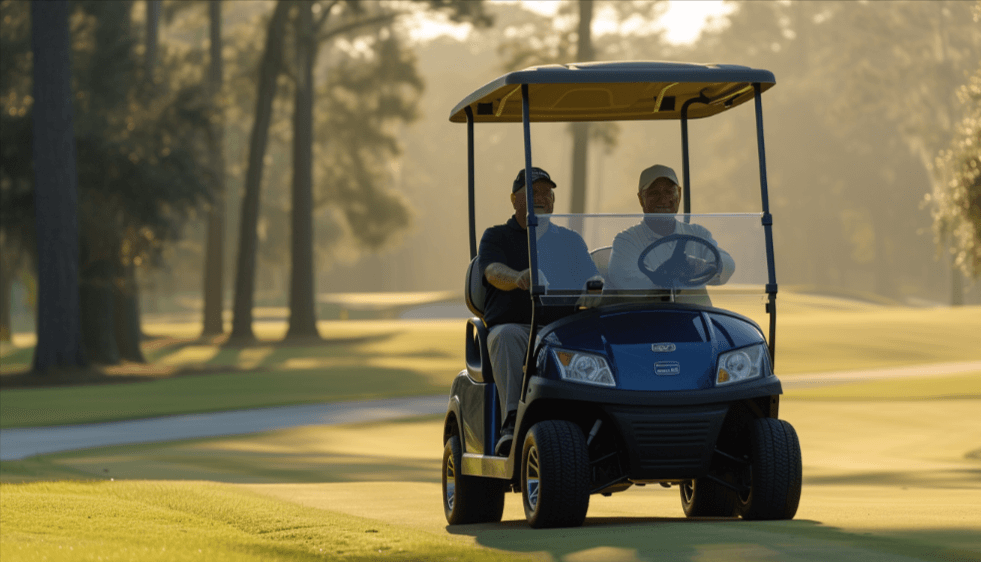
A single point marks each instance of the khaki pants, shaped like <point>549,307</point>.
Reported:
<point>507,346</point>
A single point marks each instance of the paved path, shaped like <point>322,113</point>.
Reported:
<point>24,442</point>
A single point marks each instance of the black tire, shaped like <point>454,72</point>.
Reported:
<point>774,477</point>
<point>705,498</point>
<point>468,499</point>
<point>555,475</point>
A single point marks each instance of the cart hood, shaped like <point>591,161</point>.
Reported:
<point>659,349</point>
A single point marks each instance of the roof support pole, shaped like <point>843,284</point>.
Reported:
<point>771,285</point>
<point>536,289</point>
<point>686,193</point>
<point>470,183</point>
<point>685,160</point>
<point>530,195</point>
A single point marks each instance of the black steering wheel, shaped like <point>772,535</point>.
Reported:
<point>676,272</point>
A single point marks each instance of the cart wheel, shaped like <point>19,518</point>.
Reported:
<point>555,475</point>
<point>774,477</point>
<point>468,499</point>
<point>705,498</point>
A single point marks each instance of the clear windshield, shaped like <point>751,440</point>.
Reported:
<point>703,259</point>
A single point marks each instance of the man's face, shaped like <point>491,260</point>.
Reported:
<point>544,199</point>
<point>662,196</point>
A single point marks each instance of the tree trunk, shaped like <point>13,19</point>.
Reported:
<point>214,262</point>
<point>7,271</point>
<point>126,314</point>
<point>303,321</point>
<point>97,305</point>
<point>248,227</point>
<point>580,131</point>
<point>152,28</point>
<point>59,342</point>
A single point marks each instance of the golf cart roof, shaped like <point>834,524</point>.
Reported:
<point>613,91</point>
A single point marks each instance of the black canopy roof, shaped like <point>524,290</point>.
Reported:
<point>613,91</point>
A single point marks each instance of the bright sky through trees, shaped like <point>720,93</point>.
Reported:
<point>683,21</point>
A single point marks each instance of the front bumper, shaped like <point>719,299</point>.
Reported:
<point>664,435</point>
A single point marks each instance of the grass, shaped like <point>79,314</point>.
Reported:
<point>386,358</point>
<point>883,480</point>
<point>357,360</point>
<point>199,521</point>
<point>954,387</point>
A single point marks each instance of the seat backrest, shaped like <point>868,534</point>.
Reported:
<point>601,257</point>
<point>474,291</point>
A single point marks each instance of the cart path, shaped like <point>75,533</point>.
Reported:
<point>20,443</point>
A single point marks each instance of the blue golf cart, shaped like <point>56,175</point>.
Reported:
<point>654,377</point>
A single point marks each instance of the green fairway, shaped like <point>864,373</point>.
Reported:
<point>199,521</point>
<point>883,480</point>
<point>386,358</point>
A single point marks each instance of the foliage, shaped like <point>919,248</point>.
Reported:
<point>957,203</point>
<point>139,164</point>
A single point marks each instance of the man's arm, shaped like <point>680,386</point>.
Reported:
<point>507,279</point>
<point>727,266</point>
<point>623,270</point>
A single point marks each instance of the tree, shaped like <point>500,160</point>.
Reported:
<point>303,319</point>
<point>957,202</point>
<point>371,22</point>
<point>56,191</point>
<point>269,71</point>
<point>215,246</point>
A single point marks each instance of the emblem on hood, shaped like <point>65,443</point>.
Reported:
<point>663,347</point>
<point>667,368</point>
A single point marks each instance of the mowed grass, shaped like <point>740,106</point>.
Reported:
<point>883,480</point>
<point>356,360</point>
<point>199,521</point>
<point>388,358</point>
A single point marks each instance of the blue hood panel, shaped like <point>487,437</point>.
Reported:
<point>627,338</point>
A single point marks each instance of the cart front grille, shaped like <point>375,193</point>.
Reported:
<point>669,442</point>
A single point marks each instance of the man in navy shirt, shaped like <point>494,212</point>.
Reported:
<point>503,258</point>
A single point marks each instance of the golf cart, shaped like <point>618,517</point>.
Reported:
<point>649,381</point>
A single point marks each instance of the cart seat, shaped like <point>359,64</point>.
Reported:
<point>474,291</point>
<point>601,257</point>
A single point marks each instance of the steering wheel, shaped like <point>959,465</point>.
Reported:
<point>675,272</point>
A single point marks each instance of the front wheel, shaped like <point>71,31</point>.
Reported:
<point>774,476</point>
<point>468,499</point>
<point>555,475</point>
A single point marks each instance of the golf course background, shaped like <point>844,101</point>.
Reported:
<point>892,467</point>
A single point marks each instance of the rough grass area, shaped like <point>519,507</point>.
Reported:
<point>199,521</point>
<point>357,360</point>
<point>386,358</point>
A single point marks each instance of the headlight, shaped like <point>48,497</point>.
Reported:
<point>741,365</point>
<point>583,367</point>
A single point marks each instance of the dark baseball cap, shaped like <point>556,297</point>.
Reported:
<point>536,174</point>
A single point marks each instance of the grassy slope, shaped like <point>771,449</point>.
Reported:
<point>198,521</point>
<point>883,480</point>
<point>369,359</point>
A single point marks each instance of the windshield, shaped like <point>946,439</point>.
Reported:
<point>711,259</point>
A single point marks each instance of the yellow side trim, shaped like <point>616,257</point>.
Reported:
<point>504,100</point>
<point>660,97</point>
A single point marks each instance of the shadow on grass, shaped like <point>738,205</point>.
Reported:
<point>659,538</point>
<point>123,373</point>
<point>16,366</point>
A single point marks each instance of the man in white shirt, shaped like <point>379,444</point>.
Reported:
<point>660,194</point>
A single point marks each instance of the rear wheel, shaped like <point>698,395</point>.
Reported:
<point>774,477</point>
<point>468,499</point>
<point>705,498</point>
<point>555,475</point>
